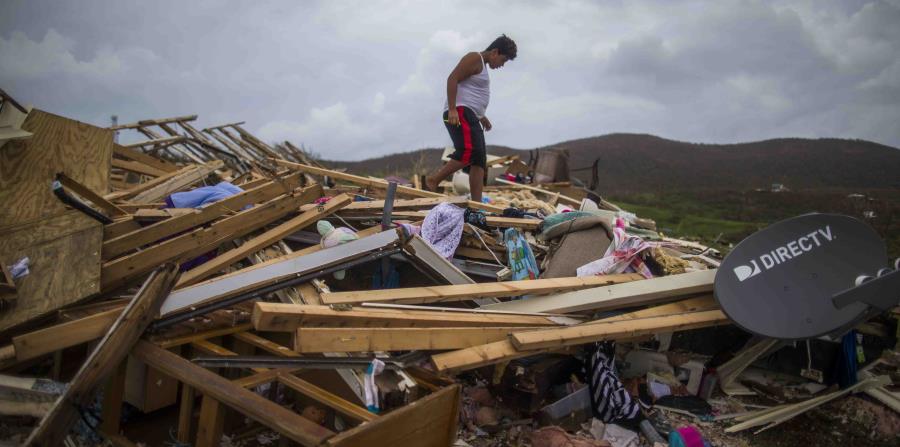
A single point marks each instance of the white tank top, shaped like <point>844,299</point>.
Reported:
<point>474,92</point>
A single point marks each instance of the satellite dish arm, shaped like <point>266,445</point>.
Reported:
<point>881,292</point>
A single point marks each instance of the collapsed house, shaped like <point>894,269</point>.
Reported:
<point>251,291</point>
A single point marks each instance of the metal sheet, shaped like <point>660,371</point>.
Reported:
<point>190,296</point>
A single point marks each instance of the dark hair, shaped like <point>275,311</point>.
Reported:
<point>504,46</point>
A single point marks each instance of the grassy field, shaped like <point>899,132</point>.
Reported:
<point>693,225</point>
<point>724,218</point>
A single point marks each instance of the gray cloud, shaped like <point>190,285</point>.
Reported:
<point>359,79</point>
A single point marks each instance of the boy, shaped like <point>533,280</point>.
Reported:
<point>468,94</point>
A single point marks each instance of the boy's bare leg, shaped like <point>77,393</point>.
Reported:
<point>432,181</point>
<point>476,182</point>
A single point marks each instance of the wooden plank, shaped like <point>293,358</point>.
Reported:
<point>28,167</point>
<point>427,422</point>
<point>264,240</point>
<point>185,413</point>
<point>71,240</point>
<point>116,246</point>
<point>112,400</point>
<point>315,340</point>
<point>111,350</point>
<point>120,271</point>
<point>137,167</point>
<point>149,160</point>
<point>176,183</point>
<point>211,423</point>
<point>153,122</point>
<point>288,317</point>
<point>587,333</point>
<point>324,397</point>
<point>438,294</point>
<point>378,184</point>
<point>157,143</point>
<point>120,227</point>
<point>61,336</point>
<point>504,350</point>
<point>270,414</point>
<point>111,209</point>
<point>265,344</point>
<point>617,296</point>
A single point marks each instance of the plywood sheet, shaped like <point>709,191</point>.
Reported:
<point>27,167</point>
<point>65,264</point>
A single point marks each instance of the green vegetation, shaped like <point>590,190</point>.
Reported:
<point>721,218</point>
<point>690,221</point>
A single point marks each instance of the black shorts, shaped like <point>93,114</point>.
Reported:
<point>468,138</point>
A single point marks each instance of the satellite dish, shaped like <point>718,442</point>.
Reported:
<point>797,278</point>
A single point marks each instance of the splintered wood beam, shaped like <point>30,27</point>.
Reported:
<point>223,125</point>
<point>189,245</point>
<point>157,143</point>
<point>377,183</point>
<point>108,353</point>
<point>262,241</point>
<point>504,350</point>
<point>290,424</point>
<point>617,296</point>
<point>288,317</point>
<point>116,246</point>
<point>587,333</point>
<point>438,294</point>
<point>90,195</point>
<point>315,340</point>
<point>144,123</point>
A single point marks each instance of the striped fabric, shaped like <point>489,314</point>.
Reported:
<point>610,401</point>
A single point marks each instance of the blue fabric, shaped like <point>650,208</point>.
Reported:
<point>205,195</point>
<point>846,364</point>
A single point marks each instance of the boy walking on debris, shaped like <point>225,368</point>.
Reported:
<point>468,94</point>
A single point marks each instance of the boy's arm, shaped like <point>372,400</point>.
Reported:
<point>469,65</point>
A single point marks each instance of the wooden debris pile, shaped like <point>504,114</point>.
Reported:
<point>234,314</point>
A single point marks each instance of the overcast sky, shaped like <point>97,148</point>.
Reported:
<point>366,78</point>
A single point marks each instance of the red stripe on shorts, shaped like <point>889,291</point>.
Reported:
<point>467,136</point>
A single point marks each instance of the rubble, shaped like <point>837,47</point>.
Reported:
<point>376,338</point>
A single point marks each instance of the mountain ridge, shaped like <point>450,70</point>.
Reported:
<point>634,162</point>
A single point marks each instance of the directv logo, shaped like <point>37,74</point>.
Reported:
<point>785,253</point>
